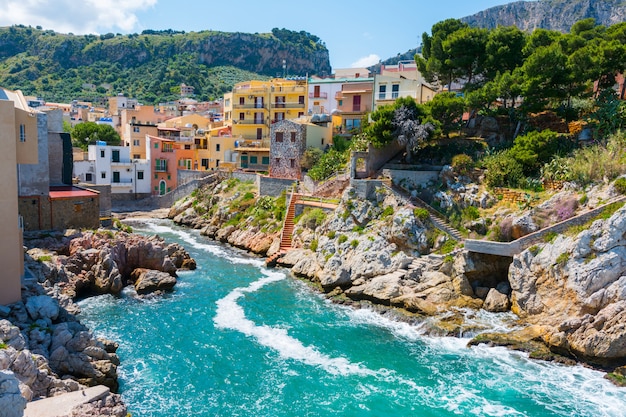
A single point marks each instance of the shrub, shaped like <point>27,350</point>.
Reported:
<point>503,170</point>
<point>549,237</point>
<point>313,245</point>
<point>620,185</point>
<point>470,213</point>
<point>330,162</point>
<point>342,239</point>
<point>44,258</point>
<point>462,163</point>
<point>354,243</point>
<point>536,148</point>
<point>331,234</point>
<point>3,345</point>
<point>447,247</point>
<point>421,213</point>
<point>313,218</point>
<point>388,211</point>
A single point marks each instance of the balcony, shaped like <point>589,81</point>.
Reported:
<point>320,95</point>
<point>254,144</point>
<point>120,162</point>
<point>288,105</point>
<point>249,122</point>
<point>124,182</point>
<point>250,106</point>
<point>289,89</point>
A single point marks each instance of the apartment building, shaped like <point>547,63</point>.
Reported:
<point>18,135</point>
<point>253,106</point>
<point>400,80</point>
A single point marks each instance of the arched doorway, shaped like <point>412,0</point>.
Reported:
<point>162,187</point>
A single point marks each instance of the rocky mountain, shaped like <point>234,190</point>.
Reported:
<point>557,15</point>
<point>152,64</point>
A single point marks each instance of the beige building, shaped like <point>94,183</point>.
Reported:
<point>400,80</point>
<point>18,135</point>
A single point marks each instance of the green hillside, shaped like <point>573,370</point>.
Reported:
<point>152,65</point>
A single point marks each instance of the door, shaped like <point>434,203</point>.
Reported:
<point>356,103</point>
<point>115,156</point>
<point>116,176</point>
<point>244,161</point>
<point>162,188</point>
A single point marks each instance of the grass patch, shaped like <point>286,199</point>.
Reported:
<point>354,243</point>
<point>549,237</point>
<point>562,259</point>
<point>313,245</point>
<point>342,239</point>
<point>421,213</point>
<point>447,247</point>
<point>388,211</point>
<point>331,234</point>
<point>3,345</point>
<point>44,258</point>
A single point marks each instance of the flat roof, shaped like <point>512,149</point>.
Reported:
<point>70,192</point>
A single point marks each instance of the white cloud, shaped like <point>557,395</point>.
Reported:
<point>366,61</point>
<point>79,17</point>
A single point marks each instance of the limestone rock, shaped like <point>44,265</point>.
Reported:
<point>496,301</point>
<point>12,404</point>
<point>148,281</point>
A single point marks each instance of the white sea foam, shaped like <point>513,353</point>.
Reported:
<point>230,315</point>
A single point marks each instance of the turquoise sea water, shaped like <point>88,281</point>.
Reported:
<point>237,339</point>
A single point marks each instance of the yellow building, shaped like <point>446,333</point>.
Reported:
<point>253,106</point>
<point>19,138</point>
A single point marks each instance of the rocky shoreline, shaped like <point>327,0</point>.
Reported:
<point>569,294</point>
<point>44,349</point>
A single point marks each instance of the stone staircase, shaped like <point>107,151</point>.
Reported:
<point>438,219</point>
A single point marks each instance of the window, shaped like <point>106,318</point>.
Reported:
<point>139,175</point>
<point>102,153</point>
<point>395,90</point>
<point>205,163</point>
<point>242,100</point>
<point>242,116</point>
<point>22,133</point>
<point>187,147</point>
<point>254,159</point>
<point>161,165</point>
<point>89,177</point>
<point>136,142</point>
<point>136,156</point>
<point>115,155</point>
<point>265,160</point>
<point>217,147</point>
<point>300,113</point>
<point>382,92</point>
<point>293,136</point>
<point>301,100</point>
<point>116,176</point>
<point>316,91</point>
<point>280,116</point>
<point>136,129</point>
<point>103,175</point>
<point>156,145</point>
<point>279,136</point>
<point>277,161</point>
<point>292,163</point>
<point>340,102</point>
<point>280,102</point>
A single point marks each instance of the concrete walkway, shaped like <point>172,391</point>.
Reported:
<point>62,405</point>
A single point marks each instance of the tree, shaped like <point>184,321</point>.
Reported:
<point>433,63</point>
<point>310,157</point>
<point>87,133</point>
<point>546,77</point>
<point>504,50</point>
<point>402,121</point>
<point>448,109</point>
<point>465,52</point>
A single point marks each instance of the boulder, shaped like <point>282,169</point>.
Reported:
<point>496,301</point>
<point>147,281</point>
<point>12,404</point>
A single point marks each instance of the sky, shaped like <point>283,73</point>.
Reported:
<point>357,34</point>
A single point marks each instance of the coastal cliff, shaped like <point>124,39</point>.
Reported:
<point>44,349</point>
<point>568,293</point>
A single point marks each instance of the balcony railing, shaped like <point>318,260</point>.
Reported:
<point>290,89</point>
<point>250,122</point>
<point>287,105</point>
<point>124,182</point>
<point>263,143</point>
<point>322,95</point>
<point>250,106</point>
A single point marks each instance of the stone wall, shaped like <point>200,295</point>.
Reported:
<point>273,186</point>
<point>366,189</point>
<point>186,175</point>
<point>288,150</point>
<point>42,213</point>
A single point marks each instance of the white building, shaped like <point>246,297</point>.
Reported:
<point>112,165</point>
